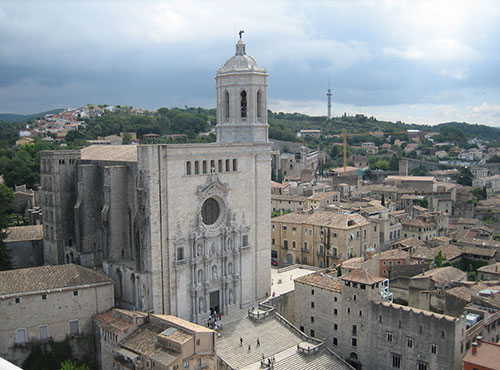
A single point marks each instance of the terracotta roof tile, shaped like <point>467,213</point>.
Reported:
<point>486,356</point>
<point>24,233</point>
<point>45,278</point>
<point>362,277</point>
<point>322,279</point>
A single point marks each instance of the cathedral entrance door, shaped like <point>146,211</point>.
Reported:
<point>214,301</point>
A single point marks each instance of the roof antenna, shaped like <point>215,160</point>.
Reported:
<point>240,33</point>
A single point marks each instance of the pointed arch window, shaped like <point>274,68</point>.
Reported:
<point>243,104</point>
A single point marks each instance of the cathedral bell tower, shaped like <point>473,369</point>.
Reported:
<point>241,99</point>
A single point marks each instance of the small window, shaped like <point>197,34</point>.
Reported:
<point>235,165</point>
<point>21,336</point>
<point>197,342</point>
<point>354,330</point>
<point>335,299</point>
<point>312,332</point>
<point>389,336</point>
<point>312,304</point>
<point>180,254</point>
<point>75,292</point>
<point>354,298</point>
<point>44,297</point>
<point>186,363</point>
<point>212,166</point>
<point>348,310</point>
<point>433,349</point>
<point>360,313</point>
<point>335,342</point>
<point>228,165</point>
<point>74,327</point>
<point>312,291</point>
<point>196,168</point>
<point>409,342</point>
<point>245,240</point>
<point>18,300</point>
<point>219,165</point>
<point>335,327</point>
<point>312,318</point>
<point>302,328</point>
<point>43,332</point>
<point>422,365</point>
<point>188,168</point>
<point>204,164</point>
<point>354,342</point>
<point>335,312</point>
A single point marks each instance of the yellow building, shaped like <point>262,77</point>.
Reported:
<point>321,238</point>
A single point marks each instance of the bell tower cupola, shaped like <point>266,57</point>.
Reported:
<point>241,99</point>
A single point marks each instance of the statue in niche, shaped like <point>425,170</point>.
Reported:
<point>199,251</point>
<point>200,276</point>
<point>229,268</point>
<point>215,274</point>
<point>213,248</point>
<point>230,244</point>
<point>201,305</point>
<point>231,297</point>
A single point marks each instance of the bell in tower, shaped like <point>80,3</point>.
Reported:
<point>241,99</point>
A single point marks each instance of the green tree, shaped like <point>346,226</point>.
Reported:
<point>394,163</point>
<point>6,195</point>
<point>465,176</point>
<point>70,365</point>
<point>438,260</point>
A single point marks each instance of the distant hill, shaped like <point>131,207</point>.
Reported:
<point>14,118</point>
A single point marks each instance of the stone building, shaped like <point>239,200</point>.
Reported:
<point>354,316</point>
<point>321,237</point>
<point>182,229</point>
<point>25,244</point>
<point>49,303</point>
<point>137,340</point>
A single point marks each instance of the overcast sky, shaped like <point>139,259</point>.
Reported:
<point>414,61</point>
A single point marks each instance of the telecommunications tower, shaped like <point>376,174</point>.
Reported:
<point>329,94</point>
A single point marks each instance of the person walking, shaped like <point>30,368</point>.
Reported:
<point>241,341</point>
<point>258,342</point>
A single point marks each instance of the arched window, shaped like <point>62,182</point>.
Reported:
<point>259,104</point>
<point>243,104</point>
<point>225,108</point>
<point>188,168</point>
<point>219,165</point>
<point>205,167</point>
<point>212,165</point>
<point>228,165</point>
<point>196,168</point>
<point>235,165</point>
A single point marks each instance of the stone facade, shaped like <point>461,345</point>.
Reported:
<point>181,229</point>
<point>356,320</point>
<point>52,312</point>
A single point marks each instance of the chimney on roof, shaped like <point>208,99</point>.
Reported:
<point>479,339</point>
<point>474,348</point>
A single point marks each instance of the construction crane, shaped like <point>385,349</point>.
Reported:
<point>345,134</point>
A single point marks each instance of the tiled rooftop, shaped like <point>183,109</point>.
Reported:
<point>145,341</point>
<point>24,233</point>
<point>362,276</point>
<point>121,153</point>
<point>48,277</point>
<point>487,355</point>
<point>443,275</point>
<point>323,218</point>
<point>325,280</point>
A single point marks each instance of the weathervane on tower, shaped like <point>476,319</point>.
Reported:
<point>241,32</point>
